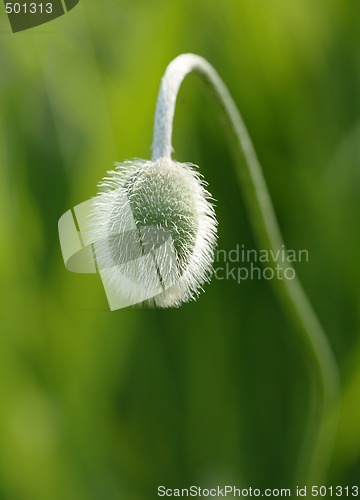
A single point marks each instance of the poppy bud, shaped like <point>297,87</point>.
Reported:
<point>154,230</point>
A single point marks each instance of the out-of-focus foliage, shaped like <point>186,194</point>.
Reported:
<point>97,405</point>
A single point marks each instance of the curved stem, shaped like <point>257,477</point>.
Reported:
<point>323,418</point>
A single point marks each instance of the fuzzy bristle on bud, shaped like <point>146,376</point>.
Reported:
<point>155,230</point>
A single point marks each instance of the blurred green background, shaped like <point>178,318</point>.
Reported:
<point>108,405</point>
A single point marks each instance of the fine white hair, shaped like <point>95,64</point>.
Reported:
<point>154,229</point>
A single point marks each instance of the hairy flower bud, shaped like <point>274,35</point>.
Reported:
<point>155,229</point>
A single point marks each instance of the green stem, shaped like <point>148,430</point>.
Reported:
<point>318,443</point>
